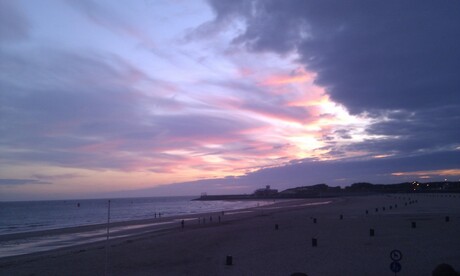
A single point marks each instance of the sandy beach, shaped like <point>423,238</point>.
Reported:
<point>271,240</point>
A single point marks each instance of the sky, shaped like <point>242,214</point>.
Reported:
<point>177,97</point>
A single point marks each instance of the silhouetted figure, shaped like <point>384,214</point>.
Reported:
<point>219,219</point>
<point>182,223</point>
<point>155,215</point>
<point>210,219</point>
<point>445,270</point>
<point>78,204</point>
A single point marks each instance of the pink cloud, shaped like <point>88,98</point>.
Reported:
<point>298,77</point>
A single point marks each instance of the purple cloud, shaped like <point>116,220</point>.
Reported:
<point>109,19</point>
<point>16,182</point>
<point>14,26</point>
<point>86,111</point>
<point>371,57</point>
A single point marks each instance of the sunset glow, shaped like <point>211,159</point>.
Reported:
<point>426,174</point>
<point>103,97</point>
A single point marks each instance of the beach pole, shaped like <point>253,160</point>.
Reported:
<point>229,260</point>
<point>107,240</point>
<point>314,242</point>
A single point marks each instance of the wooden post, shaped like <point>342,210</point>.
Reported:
<point>229,260</point>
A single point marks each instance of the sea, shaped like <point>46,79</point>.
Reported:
<point>30,216</point>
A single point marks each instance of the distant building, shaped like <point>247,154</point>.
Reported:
<point>265,191</point>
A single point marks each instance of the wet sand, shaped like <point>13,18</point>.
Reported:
<point>344,246</point>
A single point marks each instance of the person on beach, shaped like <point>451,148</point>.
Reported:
<point>182,224</point>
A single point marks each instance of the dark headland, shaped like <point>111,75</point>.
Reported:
<point>323,190</point>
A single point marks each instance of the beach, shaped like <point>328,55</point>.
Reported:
<point>272,240</point>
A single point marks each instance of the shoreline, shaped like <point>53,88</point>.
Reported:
<point>96,226</point>
<point>259,247</point>
<point>66,214</point>
<point>36,241</point>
